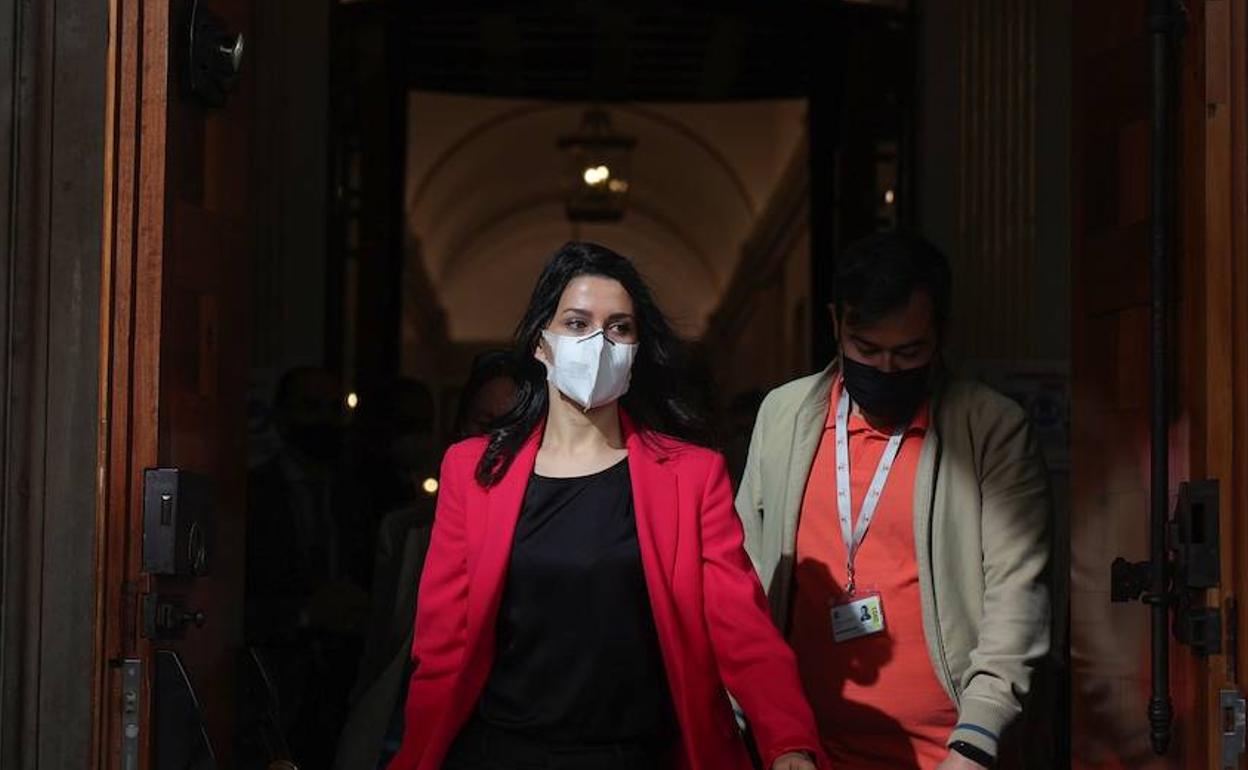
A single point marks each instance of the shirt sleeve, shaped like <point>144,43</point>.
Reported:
<point>1014,630</point>
<point>754,662</point>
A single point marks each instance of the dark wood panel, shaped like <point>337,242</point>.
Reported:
<point>639,51</point>
<point>75,232</point>
<point>1238,29</point>
<point>52,86</point>
<point>134,212</point>
<point>1114,269</point>
<point>1110,366</point>
<point>1116,91</point>
<point>1210,341</point>
<point>1103,26</point>
<point>203,359</point>
<point>178,268</point>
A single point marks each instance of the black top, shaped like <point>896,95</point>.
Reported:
<point>578,659</point>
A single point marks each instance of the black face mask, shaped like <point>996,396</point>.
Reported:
<point>893,397</point>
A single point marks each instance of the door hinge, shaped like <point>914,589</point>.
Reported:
<point>131,689</point>
<point>1234,713</point>
<point>1200,628</point>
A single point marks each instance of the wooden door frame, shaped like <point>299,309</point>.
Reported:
<point>1237,539</point>
<point>52,89</point>
<point>1213,330</point>
<point>1225,332</point>
<point>129,361</point>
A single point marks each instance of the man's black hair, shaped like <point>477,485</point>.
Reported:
<point>876,276</point>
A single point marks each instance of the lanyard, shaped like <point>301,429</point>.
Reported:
<point>853,536</point>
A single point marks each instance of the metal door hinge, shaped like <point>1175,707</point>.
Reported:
<point>1234,716</point>
<point>1200,628</point>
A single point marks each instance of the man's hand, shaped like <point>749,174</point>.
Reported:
<point>794,760</point>
<point>955,761</point>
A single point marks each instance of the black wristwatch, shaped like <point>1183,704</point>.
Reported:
<point>973,753</point>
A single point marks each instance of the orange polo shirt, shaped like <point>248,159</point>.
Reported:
<point>876,698</point>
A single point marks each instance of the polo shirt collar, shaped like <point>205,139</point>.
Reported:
<point>858,424</point>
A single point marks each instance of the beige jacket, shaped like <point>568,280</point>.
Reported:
<point>981,514</point>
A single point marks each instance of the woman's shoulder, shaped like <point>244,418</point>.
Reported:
<point>683,455</point>
<point>466,451</point>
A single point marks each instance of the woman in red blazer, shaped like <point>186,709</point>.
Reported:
<point>586,602</point>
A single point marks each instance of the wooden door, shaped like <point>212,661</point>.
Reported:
<point>177,258</point>
<point>1209,425</point>
<point>1235,224</point>
<point>1215,331</point>
<point>1110,386</point>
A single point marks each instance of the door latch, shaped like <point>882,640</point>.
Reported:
<point>166,617</point>
<point>1194,565</point>
<point>1194,536</point>
<point>178,512</point>
<point>1234,718</point>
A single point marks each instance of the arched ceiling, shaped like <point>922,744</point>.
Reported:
<point>485,189</point>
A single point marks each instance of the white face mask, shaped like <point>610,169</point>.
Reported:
<point>590,370</point>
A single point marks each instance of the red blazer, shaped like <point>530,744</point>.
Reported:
<point>713,624</point>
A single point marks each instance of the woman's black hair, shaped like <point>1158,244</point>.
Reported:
<point>659,396</point>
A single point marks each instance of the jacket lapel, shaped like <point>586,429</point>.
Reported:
<point>655,505</point>
<point>656,510</point>
<point>925,479</point>
<point>809,421</point>
<point>492,532</point>
<point>495,528</point>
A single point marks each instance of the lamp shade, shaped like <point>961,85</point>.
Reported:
<point>599,163</point>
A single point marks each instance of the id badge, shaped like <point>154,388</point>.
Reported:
<point>860,617</point>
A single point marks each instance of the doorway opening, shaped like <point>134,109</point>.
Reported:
<point>456,159</point>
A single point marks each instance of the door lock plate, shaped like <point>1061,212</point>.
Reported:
<point>1234,713</point>
<point>131,691</point>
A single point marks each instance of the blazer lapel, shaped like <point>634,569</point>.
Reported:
<point>655,505</point>
<point>497,528</point>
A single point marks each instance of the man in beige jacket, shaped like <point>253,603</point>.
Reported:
<point>898,518</point>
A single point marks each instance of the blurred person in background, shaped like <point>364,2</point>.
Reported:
<point>375,725</point>
<point>305,601</point>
